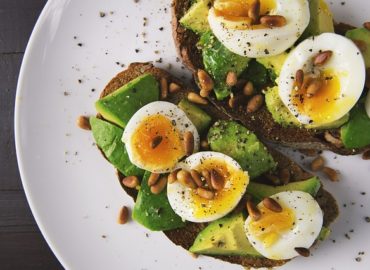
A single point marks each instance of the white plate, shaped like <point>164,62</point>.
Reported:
<point>73,191</point>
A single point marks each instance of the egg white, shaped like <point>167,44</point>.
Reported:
<point>347,61</point>
<point>255,43</point>
<point>171,112</point>
<point>307,226</point>
<point>181,197</point>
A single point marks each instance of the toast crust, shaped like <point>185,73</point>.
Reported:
<point>260,122</point>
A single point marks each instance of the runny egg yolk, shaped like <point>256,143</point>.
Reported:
<point>168,151</point>
<point>235,183</point>
<point>322,106</point>
<point>271,225</point>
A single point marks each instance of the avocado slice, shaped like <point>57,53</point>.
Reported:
<point>355,134</point>
<point>196,18</point>
<point>260,191</point>
<point>225,236</point>
<point>108,137</point>
<point>361,34</point>
<point>120,106</point>
<point>238,142</point>
<point>154,211</point>
<point>274,63</point>
<point>197,116</point>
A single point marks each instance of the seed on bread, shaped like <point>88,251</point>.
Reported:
<point>174,88</point>
<point>317,164</point>
<point>248,89</point>
<point>130,181</point>
<point>205,81</point>
<point>197,99</point>
<point>164,88</point>
<point>123,215</point>
<point>231,79</point>
<point>83,122</point>
<point>322,58</point>
<point>333,140</point>
<point>331,174</point>
<point>255,103</point>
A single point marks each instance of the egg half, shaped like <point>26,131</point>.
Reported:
<point>190,206</point>
<point>276,234</point>
<point>164,122</point>
<point>230,23</point>
<point>343,79</point>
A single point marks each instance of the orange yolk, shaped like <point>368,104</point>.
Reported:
<point>170,149</point>
<point>322,106</point>
<point>235,183</point>
<point>271,225</point>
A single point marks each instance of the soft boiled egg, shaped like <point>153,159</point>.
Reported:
<point>276,234</point>
<point>154,136</point>
<point>191,206</point>
<point>342,79</point>
<point>231,25</point>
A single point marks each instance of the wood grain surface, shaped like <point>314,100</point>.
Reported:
<point>21,243</point>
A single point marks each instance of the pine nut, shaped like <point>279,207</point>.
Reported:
<point>217,180</point>
<point>331,174</point>
<point>284,175</point>
<point>172,177</point>
<point>83,122</point>
<point>272,205</point>
<point>196,177</point>
<point>184,177</point>
<point>206,194</point>
<point>153,179</point>
<point>159,186</point>
<point>254,11</point>
<point>204,145</point>
<point>361,45</point>
<point>313,88</point>
<point>304,252</point>
<point>366,155</point>
<point>273,20</point>
<point>130,181</point>
<point>255,103</point>
<point>195,98</point>
<point>299,76</point>
<point>205,81</point>
<point>317,164</point>
<point>204,93</point>
<point>123,215</point>
<point>331,139</point>
<point>174,88</point>
<point>367,25</point>
<point>189,143</point>
<point>253,211</point>
<point>164,88</point>
<point>156,141</point>
<point>248,89</point>
<point>231,79</point>
<point>322,58</point>
<point>207,177</point>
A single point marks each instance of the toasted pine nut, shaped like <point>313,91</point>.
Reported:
<point>206,194</point>
<point>153,179</point>
<point>248,89</point>
<point>231,102</point>
<point>172,177</point>
<point>367,25</point>
<point>255,103</point>
<point>322,57</point>
<point>195,98</point>
<point>272,205</point>
<point>205,81</point>
<point>159,186</point>
<point>284,175</point>
<point>231,78</point>
<point>361,45</point>
<point>217,180</point>
<point>331,174</point>
<point>330,138</point>
<point>299,76</point>
<point>204,93</point>
<point>254,11</point>
<point>156,141</point>
<point>204,144</point>
<point>123,215</point>
<point>273,20</point>
<point>83,122</point>
<point>304,252</point>
<point>317,164</point>
<point>164,88</point>
<point>207,177</point>
<point>184,177</point>
<point>194,255</point>
<point>253,211</point>
<point>174,88</point>
<point>366,155</point>
<point>309,152</point>
<point>189,143</point>
<point>313,88</point>
<point>196,177</point>
<point>130,181</point>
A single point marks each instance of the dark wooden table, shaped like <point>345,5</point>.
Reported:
<point>21,243</point>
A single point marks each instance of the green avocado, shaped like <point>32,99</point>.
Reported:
<point>195,18</point>
<point>355,134</point>
<point>260,191</point>
<point>225,236</point>
<point>238,142</point>
<point>108,137</point>
<point>274,63</point>
<point>154,211</point>
<point>120,106</point>
<point>256,73</point>
<point>361,34</point>
<point>197,116</point>
<point>218,61</point>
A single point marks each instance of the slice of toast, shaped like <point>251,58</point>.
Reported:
<point>185,236</point>
<point>260,122</point>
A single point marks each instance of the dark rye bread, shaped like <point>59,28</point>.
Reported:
<point>260,122</point>
<point>185,236</point>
